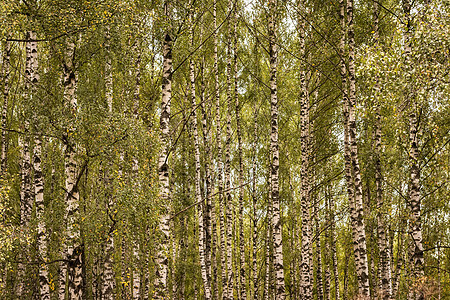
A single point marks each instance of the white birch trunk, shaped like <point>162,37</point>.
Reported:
<point>108,273</point>
<point>359,226</point>
<point>162,262</point>
<point>26,202</point>
<point>275,161</point>
<point>254,203</point>
<point>415,224</point>
<point>198,195</point>
<point>3,123</point>
<point>242,287</point>
<point>385,254</point>
<point>32,78</point>
<point>306,277</point>
<point>228,198</point>
<point>219,162</point>
<point>333,238</point>
<point>211,229</point>
<point>41,227</point>
<point>74,247</point>
<point>136,273</point>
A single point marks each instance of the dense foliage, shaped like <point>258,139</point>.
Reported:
<point>149,167</point>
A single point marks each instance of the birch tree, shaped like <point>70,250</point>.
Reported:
<point>275,158</point>
<point>163,167</point>
<point>416,249</point>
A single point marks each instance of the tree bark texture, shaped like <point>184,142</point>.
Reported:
<point>415,224</point>
<point>228,198</point>
<point>254,285</point>
<point>385,255</point>
<point>359,227</point>
<point>26,202</point>
<point>74,246</point>
<point>275,163</point>
<point>5,77</point>
<point>198,181</point>
<point>219,161</point>
<point>32,78</point>
<point>333,242</point>
<point>242,287</point>
<point>108,273</point>
<point>163,167</point>
<point>306,248</point>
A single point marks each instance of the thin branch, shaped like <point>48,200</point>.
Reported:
<point>199,202</point>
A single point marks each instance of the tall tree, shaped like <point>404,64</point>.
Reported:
<point>228,200</point>
<point>242,287</point>
<point>354,181</point>
<point>108,272</point>
<point>415,224</point>
<point>198,181</point>
<point>306,263</point>
<point>385,255</point>
<point>72,269</point>
<point>275,159</point>
<point>163,166</point>
<point>32,77</point>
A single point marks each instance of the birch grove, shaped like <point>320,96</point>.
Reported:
<point>224,149</point>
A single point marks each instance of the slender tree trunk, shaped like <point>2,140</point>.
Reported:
<point>254,203</point>
<point>400,263</point>
<point>136,272</point>
<point>32,78</point>
<point>357,205</point>
<point>306,248</point>
<point>74,246</point>
<point>268,288</point>
<point>333,238</point>
<point>210,203</point>
<point>275,163</point>
<point>347,155</point>
<point>320,285</point>
<point>198,194</point>
<point>183,241</point>
<point>70,272</point>
<point>243,294</point>
<point>41,230</point>
<point>6,87</point>
<point>346,262</point>
<point>385,255</point>
<point>228,197</point>
<point>26,199</point>
<point>108,273</point>
<point>219,162</point>
<point>415,224</point>
<point>26,204</point>
<point>207,216</point>
<point>162,264</point>
<point>173,264</point>
<point>125,258</point>
<point>235,250</point>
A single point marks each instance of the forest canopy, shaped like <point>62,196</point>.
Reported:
<point>225,149</point>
